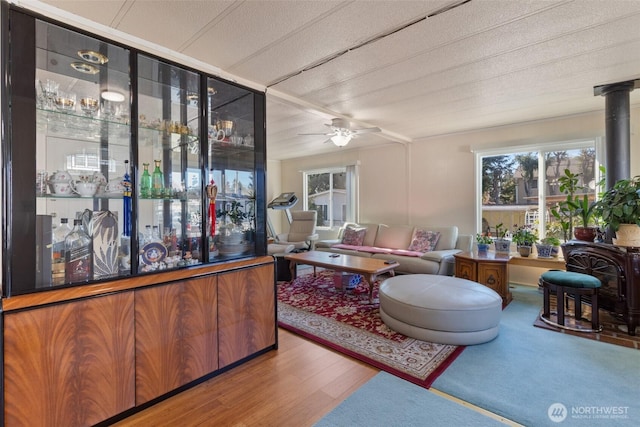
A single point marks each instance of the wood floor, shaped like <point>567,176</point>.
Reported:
<point>295,385</point>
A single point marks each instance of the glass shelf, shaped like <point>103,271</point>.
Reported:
<point>83,128</point>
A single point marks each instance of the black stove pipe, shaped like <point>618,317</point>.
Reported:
<point>617,131</point>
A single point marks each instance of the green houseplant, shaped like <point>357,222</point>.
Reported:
<point>576,208</point>
<point>524,238</point>
<point>554,242</point>
<point>619,208</point>
<point>501,243</point>
<point>484,241</point>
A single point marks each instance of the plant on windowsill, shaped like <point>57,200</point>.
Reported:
<point>619,208</point>
<point>502,244</point>
<point>554,242</point>
<point>524,238</point>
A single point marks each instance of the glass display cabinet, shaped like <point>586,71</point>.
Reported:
<point>169,185</point>
<point>140,165</point>
<point>139,254</point>
<point>231,159</point>
<point>82,145</point>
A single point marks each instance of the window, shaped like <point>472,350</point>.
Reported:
<point>333,194</point>
<point>513,192</point>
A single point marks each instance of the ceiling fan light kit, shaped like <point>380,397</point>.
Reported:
<point>340,140</point>
<point>341,132</point>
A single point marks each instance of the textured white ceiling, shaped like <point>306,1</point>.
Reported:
<point>389,64</point>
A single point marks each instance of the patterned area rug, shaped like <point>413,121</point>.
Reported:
<point>344,320</point>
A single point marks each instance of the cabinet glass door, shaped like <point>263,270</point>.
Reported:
<point>83,139</point>
<point>169,178</point>
<point>231,158</point>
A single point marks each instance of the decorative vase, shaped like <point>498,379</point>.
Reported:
<point>524,251</point>
<point>503,246</point>
<point>627,235</point>
<point>157,181</point>
<point>544,251</point>
<point>483,248</point>
<point>585,234</point>
<point>145,182</point>
<point>555,251</point>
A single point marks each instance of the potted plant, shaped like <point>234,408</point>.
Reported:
<point>554,242</point>
<point>501,243</point>
<point>619,208</point>
<point>524,238</point>
<point>576,208</point>
<point>484,241</point>
<point>231,238</point>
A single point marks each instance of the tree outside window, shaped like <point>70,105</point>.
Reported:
<point>515,193</point>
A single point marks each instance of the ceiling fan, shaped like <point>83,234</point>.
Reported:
<point>341,132</point>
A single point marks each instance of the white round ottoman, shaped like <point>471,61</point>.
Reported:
<point>440,309</point>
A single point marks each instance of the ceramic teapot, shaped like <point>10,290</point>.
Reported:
<point>99,179</point>
<point>84,188</point>
<point>60,176</point>
<point>115,186</point>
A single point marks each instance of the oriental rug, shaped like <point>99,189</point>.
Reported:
<point>345,320</point>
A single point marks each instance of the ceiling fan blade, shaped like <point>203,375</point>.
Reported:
<point>366,130</point>
<point>330,133</point>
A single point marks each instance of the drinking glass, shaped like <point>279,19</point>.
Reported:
<point>49,90</point>
<point>89,106</point>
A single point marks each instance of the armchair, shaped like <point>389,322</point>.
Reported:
<point>302,231</point>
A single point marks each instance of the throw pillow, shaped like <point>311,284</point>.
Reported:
<point>353,236</point>
<point>424,241</point>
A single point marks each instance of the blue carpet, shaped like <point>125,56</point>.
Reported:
<point>526,371</point>
<point>389,401</point>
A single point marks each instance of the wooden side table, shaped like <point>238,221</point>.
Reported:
<point>487,269</point>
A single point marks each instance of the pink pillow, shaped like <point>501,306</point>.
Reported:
<point>353,236</point>
<point>424,241</point>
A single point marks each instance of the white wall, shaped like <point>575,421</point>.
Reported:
<point>432,181</point>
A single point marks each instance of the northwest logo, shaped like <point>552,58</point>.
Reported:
<point>557,412</point>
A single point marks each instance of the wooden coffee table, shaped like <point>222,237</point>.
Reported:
<point>368,267</point>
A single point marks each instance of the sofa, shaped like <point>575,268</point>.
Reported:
<point>418,249</point>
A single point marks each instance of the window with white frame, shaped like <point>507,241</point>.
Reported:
<point>512,191</point>
<point>333,194</point>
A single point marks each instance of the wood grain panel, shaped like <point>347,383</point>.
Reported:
<point>176,335</point>
<point>466,269</point>
<point>246,313</point>
<point>70,364</point>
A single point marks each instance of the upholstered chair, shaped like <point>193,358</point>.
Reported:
<point>302,231</point>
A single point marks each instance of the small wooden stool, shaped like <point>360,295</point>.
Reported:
<point>574,284</point>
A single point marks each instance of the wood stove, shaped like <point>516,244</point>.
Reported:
<point>617,268</point>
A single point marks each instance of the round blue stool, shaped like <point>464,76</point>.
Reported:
<point>573,284</point>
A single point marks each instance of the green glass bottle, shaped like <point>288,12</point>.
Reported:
<point>157,188</point>
<point>145,182</point>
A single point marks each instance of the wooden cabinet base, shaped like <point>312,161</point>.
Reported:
<point>488,270</point>
<point>69,364</point>
<point>86,360</point>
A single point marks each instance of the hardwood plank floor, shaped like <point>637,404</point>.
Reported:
<point>295,385</point>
